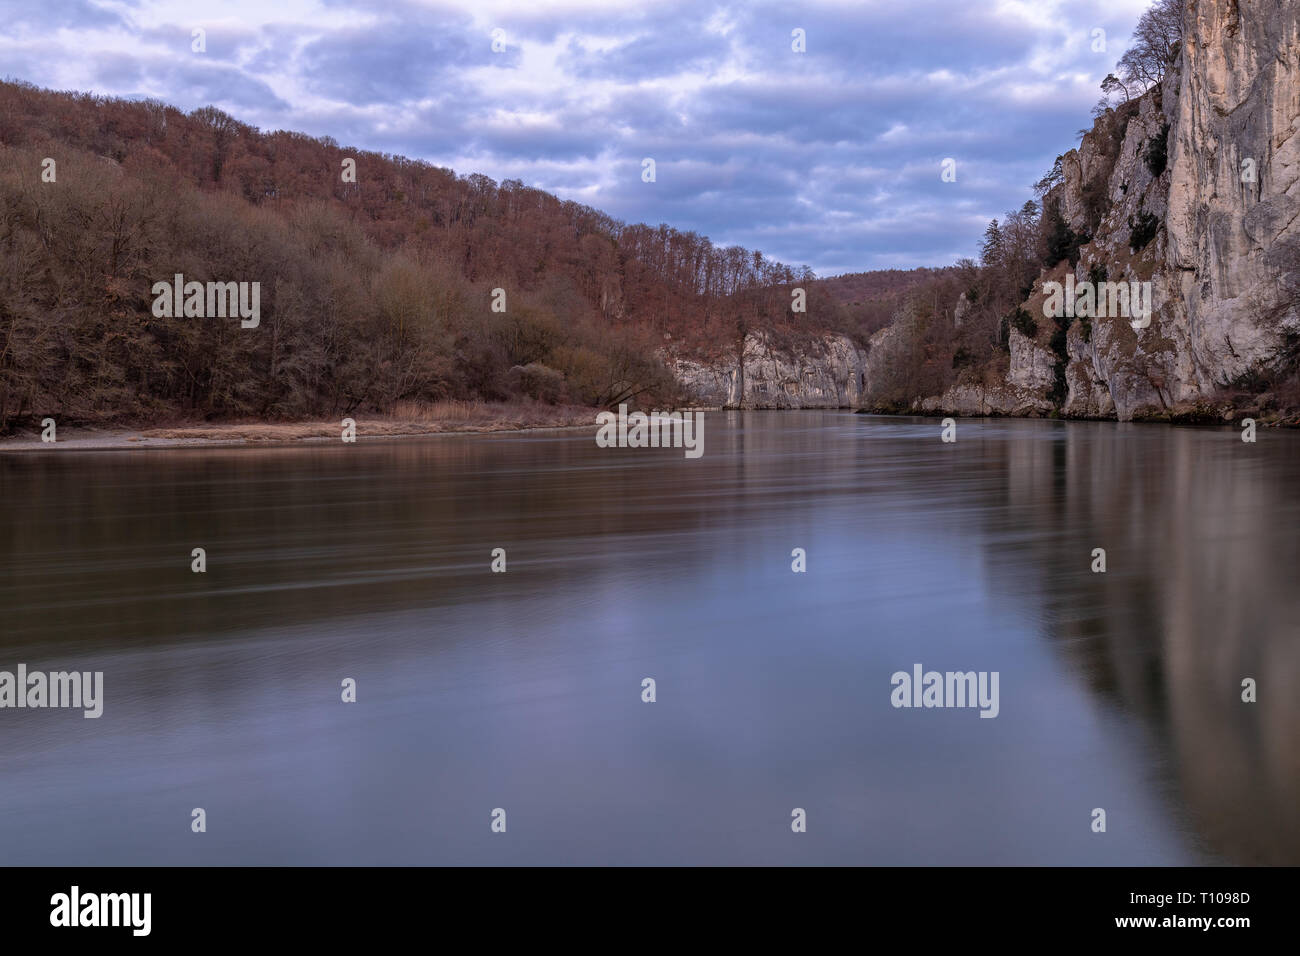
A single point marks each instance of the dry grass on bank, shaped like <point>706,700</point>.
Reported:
<point>406,418</point>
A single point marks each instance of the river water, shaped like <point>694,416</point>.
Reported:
<point>523,691</point>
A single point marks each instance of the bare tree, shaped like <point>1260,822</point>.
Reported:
<point>1156,41</point>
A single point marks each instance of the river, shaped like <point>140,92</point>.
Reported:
<point>522,691</point>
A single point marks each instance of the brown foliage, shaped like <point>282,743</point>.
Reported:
<point>372,293</point>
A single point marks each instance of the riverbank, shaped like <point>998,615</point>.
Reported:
<point>404,422</point>
<point>1179,415</point>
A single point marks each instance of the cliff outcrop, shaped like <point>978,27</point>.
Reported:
<point>820,371</point>
<point>1195,188</point>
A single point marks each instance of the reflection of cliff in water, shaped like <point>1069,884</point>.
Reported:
<point>1200,592</point>
<point>325,558</point>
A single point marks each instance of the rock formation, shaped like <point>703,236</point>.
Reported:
<point>824,371</point>
<point>1225,262</point>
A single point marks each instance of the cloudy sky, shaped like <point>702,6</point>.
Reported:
<point>830,157</point>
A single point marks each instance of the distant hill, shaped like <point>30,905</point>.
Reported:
<point>858,288</point>
<point>871,300</point>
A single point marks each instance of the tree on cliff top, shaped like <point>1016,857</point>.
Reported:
<point>1156,41</point>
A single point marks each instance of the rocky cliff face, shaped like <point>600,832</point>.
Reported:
<point>1224,260</point>
<point>1023,394</point>
<point>1233,220</point>
<point>827,371</point>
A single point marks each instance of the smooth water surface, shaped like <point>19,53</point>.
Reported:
<point>523,691</point>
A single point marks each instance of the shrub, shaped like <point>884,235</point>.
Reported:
<point>1062,241</point>
<point>1024,323</point>
<point>1143,229</point>
<point>1157,152</point>
<point>1095,202</point>
<point>1060,388</point>
<point>539,381</point>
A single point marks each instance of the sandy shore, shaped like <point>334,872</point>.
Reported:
<point>217,435</point>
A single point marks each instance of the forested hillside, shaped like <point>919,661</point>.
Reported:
<point>872,299</point>
<point>372,291</point>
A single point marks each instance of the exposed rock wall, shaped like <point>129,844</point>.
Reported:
<point>1023,394</point>
<point>826,371</point>
<point>976,401</point>
<point>1234,198</point>
<point>1112,368</point>
<point>1224,265</point>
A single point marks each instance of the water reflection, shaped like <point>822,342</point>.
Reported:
<point>522,690</point>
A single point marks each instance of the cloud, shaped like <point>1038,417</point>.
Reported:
<point>830,157</point>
